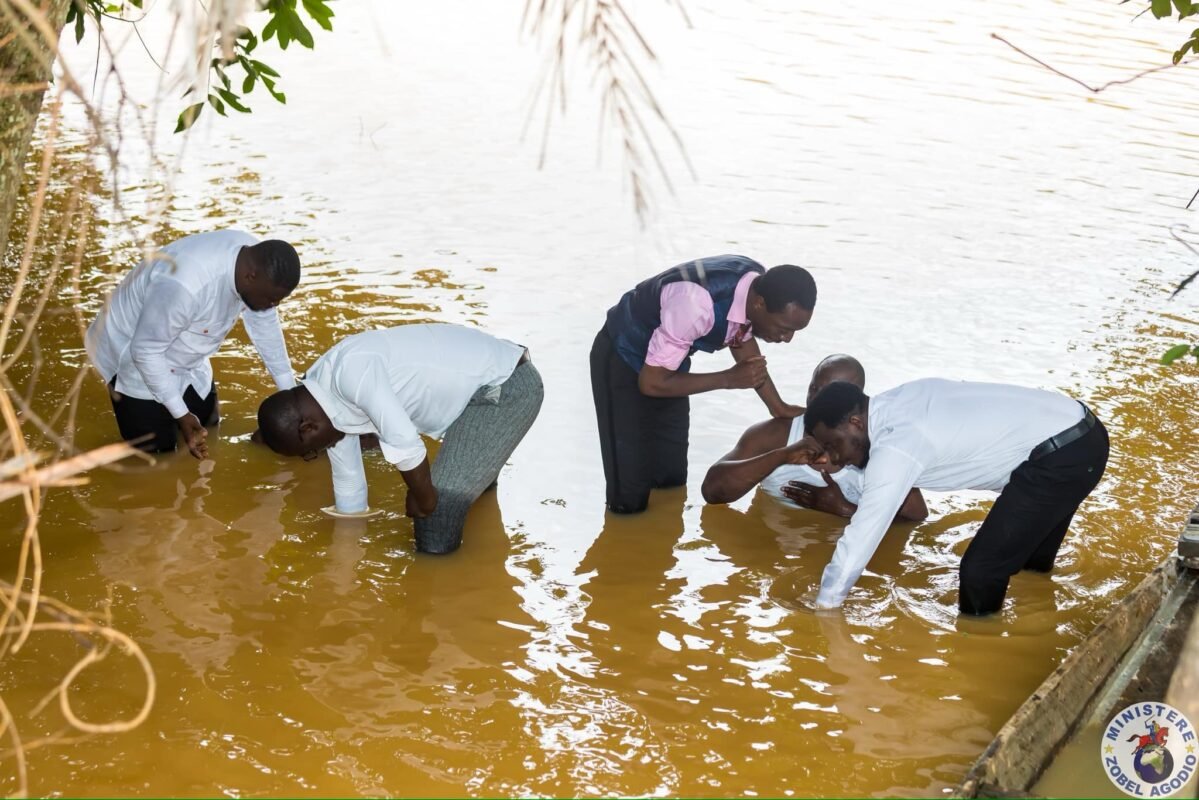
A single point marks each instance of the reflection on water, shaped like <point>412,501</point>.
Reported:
<point>966,214</point>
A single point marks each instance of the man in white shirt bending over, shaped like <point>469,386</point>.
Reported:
<point>153,339</point>
<point>770,453</point>
<point>1042,451</point>
<point>478,392</point>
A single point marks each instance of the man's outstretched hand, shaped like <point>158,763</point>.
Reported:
<point>829,499</point>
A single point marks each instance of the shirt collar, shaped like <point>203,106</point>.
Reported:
<point>737,311</point>
<point>332,407</point>
<point>231,279</point>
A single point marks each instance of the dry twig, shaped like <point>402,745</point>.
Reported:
<point>52,256</point>
<point>612,44</point>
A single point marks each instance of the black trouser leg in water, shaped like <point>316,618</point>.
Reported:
<point>138,418</point>
<point>1030,519</point>
<point>643,440</point>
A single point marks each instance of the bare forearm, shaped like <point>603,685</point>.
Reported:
<point>661,382</point>
<point>420,487</point>
<point>728,481</point>
<point>770,396</point>
<point>912,510</point>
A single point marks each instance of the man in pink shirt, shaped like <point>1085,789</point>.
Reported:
<point>641,358</point>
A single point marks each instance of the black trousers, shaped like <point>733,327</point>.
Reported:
<point>150,421</point>
<point>643,440</point>
<point>1030,519</point>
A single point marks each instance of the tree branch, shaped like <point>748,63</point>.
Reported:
<point>1084,84</point>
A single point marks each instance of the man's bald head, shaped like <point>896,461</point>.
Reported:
<point>837,367</point>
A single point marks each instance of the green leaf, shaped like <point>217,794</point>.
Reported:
<point>275,93</point>
<point>247,85</point>
<point>264,69</point>
<point>1174,353</point>
<point>1182,51</point>
<point>188,116</point>
<point>233,101</point>
<point>268,30</point>
<point>283,33</point>
<point>74,13</point>
<point>288,25</point>
<point>1160,8</point>
<point>323,15</point>
<point>1185,8</point>
<point>301,32</point>
<point>216,103</point>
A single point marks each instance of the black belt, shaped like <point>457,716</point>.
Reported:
<point>1068,436</point>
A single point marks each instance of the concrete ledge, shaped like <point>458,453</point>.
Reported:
<point>1026,744</point>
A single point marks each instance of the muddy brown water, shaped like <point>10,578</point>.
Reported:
<point>966,214</point>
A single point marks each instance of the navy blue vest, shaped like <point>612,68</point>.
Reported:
<point>633,320</point>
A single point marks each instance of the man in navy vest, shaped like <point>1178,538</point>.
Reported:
<point>641,358</point>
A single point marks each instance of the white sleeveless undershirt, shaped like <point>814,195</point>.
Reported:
<point>848,478</point>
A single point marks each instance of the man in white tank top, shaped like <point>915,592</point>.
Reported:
<point>768,454</point>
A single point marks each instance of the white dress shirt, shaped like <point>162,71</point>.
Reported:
<point>169,315</point>
<point>943,436</point>
<point>399,383</point>
<point>848,478</point>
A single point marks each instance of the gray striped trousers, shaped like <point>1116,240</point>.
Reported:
<point>474,450</point>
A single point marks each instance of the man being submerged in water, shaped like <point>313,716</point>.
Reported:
<point>775,454</point>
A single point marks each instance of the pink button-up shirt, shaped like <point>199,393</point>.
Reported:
<point>687,315</point>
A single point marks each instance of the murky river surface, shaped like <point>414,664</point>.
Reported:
<point>966,213</point>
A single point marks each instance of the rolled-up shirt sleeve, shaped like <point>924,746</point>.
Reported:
<point>686,315</point>
<point>399,439</point>
<point>349,476</point>
<point>166,311</point>
<point>887,479</point>
<point>267,336</point>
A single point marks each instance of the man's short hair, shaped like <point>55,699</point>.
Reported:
<point>278,262</point>
<point>786,284</point>
<point>836,403</point>
<point>279,421</point>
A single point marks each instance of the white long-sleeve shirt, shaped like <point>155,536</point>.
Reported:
<point>943,436</point>
<point>848,478</point>
<point>170,314</point>
<point>399,383</point>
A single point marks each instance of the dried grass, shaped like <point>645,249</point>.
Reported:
<point>47,258</point>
